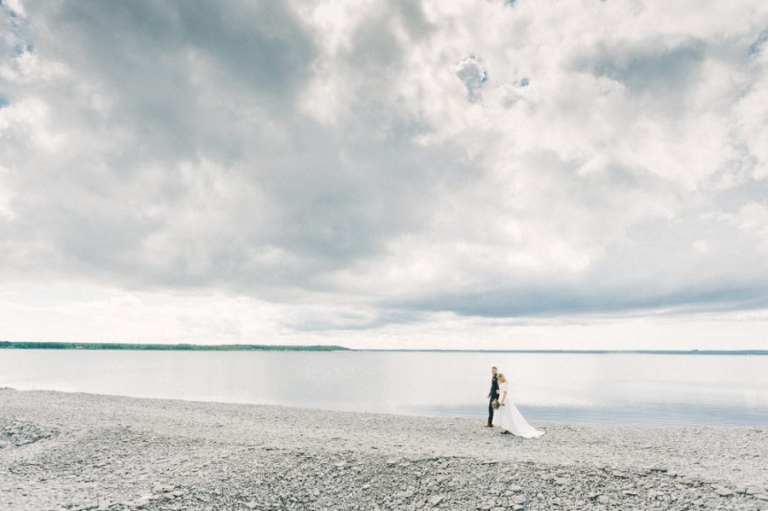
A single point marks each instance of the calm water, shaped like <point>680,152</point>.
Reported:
<point>644,389</point>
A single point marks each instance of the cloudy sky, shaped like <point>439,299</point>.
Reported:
<point>386,173</point>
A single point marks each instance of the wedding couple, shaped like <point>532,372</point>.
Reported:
<point>503,413</point>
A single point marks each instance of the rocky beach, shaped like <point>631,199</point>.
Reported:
<point>64,451</point>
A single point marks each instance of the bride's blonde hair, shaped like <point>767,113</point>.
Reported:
<point>500,378</point>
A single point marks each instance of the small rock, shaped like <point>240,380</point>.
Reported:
<point>157,487</point>
<point>435,499</point>
<point>724,492</point>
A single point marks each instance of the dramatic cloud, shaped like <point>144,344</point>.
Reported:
<point>375,168</point>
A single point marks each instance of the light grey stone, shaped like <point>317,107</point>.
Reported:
<point>435,499</point>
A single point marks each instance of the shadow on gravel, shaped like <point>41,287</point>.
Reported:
<point>18,432</point>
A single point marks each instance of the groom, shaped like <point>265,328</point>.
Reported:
<point>491,396</point>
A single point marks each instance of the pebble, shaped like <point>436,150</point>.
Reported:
<point>436,499</point>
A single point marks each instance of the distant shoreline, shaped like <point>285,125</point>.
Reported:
<point>160,347</point>
<point>268,347</point>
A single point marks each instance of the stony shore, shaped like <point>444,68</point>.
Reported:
<point>81,451</point>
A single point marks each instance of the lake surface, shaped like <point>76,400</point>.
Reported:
<point>630,389</point>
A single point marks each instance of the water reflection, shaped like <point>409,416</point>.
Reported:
<point>581,388</point>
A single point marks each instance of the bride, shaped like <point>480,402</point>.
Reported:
<point>508,418</point>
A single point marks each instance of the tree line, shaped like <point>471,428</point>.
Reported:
<point>160,347</point>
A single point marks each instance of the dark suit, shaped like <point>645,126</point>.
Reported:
<point>491,396</point>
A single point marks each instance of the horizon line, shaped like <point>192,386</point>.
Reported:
<point>56,345</point>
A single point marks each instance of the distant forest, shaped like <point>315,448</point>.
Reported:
<point>158,347</point>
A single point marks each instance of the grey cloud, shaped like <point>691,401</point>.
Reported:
<point>660,73</point>
<point>352,321</point>
<point>414,20</point>
<point>187,162</point>
<point>758,45</point>
<point>375,54</point>
<point>560,301</point>
<point>645,68</point>
<point>654,270</point>
<point>259,44</point>
<point>202,172</point>
<point>162,64</point>
<point>471,72</point>
<point>641,261</point>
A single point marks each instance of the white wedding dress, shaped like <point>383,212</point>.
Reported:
<point>509,418</point>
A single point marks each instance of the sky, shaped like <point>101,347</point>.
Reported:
<point>529,174</point>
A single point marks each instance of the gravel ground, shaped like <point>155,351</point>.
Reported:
<point>80,451</point>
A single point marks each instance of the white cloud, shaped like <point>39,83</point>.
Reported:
<point>5,195</point>
<point>15,6</point>
<point>753,219</point>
